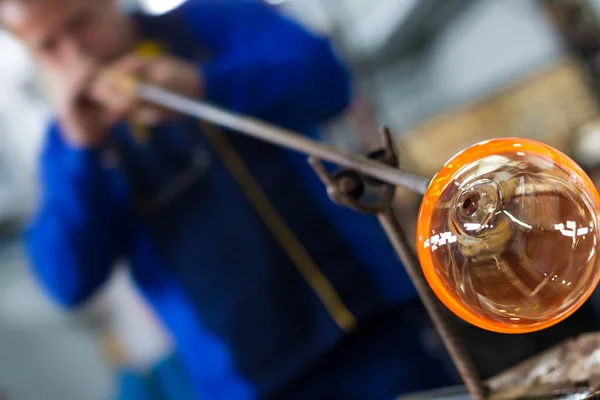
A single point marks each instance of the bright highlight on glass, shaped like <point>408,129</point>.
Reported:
<point>507,235</point>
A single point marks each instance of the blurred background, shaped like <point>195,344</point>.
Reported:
<point>460,71</point>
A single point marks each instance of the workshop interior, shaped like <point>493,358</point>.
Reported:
<point>439,76</point>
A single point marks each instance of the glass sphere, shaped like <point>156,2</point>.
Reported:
<point>507,235</point>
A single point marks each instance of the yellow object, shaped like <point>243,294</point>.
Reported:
<point>149,49</point>
<point>303,262</point>
<point>146,49</point>
<point>288,241</point>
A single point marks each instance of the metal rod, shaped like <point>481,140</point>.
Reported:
<point>280,136</point>
<point>460,357</point>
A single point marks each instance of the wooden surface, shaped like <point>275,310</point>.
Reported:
<point>558,370</point>
<point>548,106</point>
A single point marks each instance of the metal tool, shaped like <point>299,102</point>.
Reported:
<point>279,136</point>
<point>344,189</point>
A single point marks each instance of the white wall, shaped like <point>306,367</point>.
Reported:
<point>43,355</point>
<point>494,43</point>
<point>22,118</point>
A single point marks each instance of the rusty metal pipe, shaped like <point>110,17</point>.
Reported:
<point>279,136</point>
<point>461,359</point>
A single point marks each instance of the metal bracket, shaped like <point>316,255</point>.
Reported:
<point>347,187</point>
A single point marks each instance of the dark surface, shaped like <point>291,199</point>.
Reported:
<point>371,363</point>
<point>493,353</point>
<point>450,393</point>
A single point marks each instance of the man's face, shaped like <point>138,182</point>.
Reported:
<point>62,33</point>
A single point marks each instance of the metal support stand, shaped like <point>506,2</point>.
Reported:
<point>347,187</point>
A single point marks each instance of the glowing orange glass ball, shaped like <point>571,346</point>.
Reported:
<point>508,235</point>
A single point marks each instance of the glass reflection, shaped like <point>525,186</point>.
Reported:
<point>510,242</point>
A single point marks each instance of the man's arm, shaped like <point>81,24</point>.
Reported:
<point>265,64</point>
<point>79,229</point>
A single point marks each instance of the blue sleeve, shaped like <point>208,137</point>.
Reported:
<point>78,230</point>
<point>266,65</point>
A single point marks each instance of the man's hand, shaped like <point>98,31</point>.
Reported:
<point>85,123</point>
<point>169,73</point>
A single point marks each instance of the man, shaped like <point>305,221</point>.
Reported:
<point>268,289</point>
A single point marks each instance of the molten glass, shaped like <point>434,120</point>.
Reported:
<point>508,237</point>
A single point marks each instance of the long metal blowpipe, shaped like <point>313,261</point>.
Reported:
<point>279,136</point>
